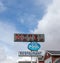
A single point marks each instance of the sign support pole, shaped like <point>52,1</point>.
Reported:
<point>37,59</point>
<point>31,58</point>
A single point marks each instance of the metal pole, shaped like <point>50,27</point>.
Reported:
<point>31,58</point>
<point>37,59</point>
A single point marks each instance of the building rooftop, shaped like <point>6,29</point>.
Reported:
<point>54,52</point>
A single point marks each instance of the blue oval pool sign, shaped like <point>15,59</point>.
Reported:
<point>34,46</point>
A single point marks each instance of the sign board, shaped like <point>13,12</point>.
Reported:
<point>27,53</point>
<point>34,46</point>
<point>29,38</point>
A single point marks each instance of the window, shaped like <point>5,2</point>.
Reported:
<point>57,61</point>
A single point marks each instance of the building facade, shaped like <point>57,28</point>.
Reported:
<point>48,57</point>
<point>51,57</point>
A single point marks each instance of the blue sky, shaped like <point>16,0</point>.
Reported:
<point>24,14</point>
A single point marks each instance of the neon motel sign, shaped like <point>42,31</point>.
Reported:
<point>29,38</point>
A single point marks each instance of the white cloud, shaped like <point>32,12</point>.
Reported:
<point>2,7</point>
<point>4,58</point>
<point>10,60</point>
<point>7,32</point>
<point>50,26</point>
<point>2,54</point>
<point>42,2</point>
<point>26,18</point>
<point>7,42</point>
